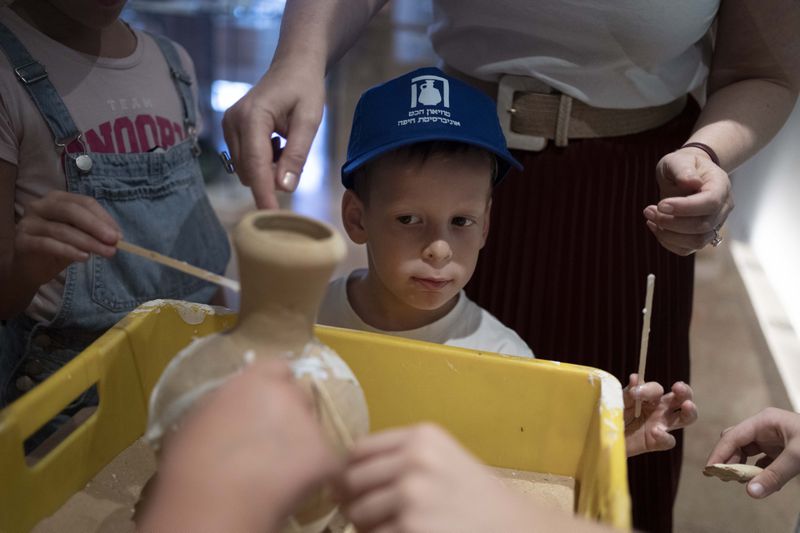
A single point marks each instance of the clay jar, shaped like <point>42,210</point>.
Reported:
<point>285,262</point>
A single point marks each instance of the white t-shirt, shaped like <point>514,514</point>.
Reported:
<point>467,325</point>
<point>121,105</point>
<point>613,54</point>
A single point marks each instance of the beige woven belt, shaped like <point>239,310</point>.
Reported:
<point>531,112</point>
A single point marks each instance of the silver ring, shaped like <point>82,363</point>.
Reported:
<point>226,162</point>
<point>717,240</point>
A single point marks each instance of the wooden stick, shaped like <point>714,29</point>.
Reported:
<point>647,311</point>
<point>183,266</point>
<point>338,424</point>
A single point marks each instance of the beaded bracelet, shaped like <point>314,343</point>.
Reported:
<point>706,148</point>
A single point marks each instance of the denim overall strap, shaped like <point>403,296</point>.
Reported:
<point>182,81</point>
<point>33,76</point>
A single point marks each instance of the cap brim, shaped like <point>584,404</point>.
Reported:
<point>506,160</point>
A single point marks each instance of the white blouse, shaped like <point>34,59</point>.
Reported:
<point>608,53</point>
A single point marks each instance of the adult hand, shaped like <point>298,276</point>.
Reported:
<point>288,101</point>
<point>243,458</point>
<point>695,200</point>
<point>61,228</point>
<point>661,413</point>
<point>418,479</point>
<point>772,432</point>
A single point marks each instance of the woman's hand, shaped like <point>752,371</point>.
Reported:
<point>695,201</point>
<point>287,101</point>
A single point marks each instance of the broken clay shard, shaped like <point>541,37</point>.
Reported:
<point>733,472</point>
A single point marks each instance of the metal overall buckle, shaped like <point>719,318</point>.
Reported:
<point>506,88</point>
<point>83,161</point>
<point>191,131</point>
<point>30,72</point>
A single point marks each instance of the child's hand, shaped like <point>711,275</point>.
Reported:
<point>243,458</point>
<point>772,432</point>
<point>61,228</point>
<point>419,479</point>
<point>661,413</point>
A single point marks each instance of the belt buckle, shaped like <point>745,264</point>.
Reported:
<point>506,87</point>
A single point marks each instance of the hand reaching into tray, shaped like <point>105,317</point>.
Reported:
<point>661,414</point>
<point>419,479</point>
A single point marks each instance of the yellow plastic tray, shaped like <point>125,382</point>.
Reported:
<point>513,413</point>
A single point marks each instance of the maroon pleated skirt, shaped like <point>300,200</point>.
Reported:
<point>566,264</point>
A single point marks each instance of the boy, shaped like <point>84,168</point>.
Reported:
<point>98,140</point>
<point>425,152</point>
<point>419,181</point>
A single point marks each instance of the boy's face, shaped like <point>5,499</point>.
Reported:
<point>423,224</point>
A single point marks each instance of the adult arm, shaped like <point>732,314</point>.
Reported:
<point>289,98</point>
<point>752,88</point>
<point>772,432</point>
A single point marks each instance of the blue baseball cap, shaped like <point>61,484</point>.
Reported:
<point>424,105</point>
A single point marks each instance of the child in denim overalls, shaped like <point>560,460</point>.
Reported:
<point>130,170</point>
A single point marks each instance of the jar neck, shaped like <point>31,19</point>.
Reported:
<point>281,304</point>
<point>285,263</point>
<point>286,331</point>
